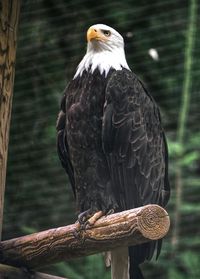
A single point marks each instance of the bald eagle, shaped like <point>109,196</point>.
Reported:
<point>111,143</point>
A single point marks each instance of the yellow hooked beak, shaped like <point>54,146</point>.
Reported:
<point>94,34</point>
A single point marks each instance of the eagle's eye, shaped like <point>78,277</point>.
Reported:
<point>107,33</point>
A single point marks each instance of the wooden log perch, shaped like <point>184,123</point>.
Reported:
<point>125,228</point>
<point>9,272</point>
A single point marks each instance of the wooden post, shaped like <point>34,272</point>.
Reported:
<point>9,16</point>
<point>125,228</point>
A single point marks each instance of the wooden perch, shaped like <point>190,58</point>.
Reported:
<point>9,272</point>
<point>125,228</point>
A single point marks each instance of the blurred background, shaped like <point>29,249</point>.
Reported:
<point>163,49</point>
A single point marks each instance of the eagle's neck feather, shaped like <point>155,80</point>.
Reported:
<point>103,61</point>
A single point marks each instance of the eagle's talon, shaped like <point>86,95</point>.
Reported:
<point>95,217</point>
<point>84,216</point>
<point>87,219</point>
<point>86,225</point>
<point>110,211</point>
<point>77,234</point>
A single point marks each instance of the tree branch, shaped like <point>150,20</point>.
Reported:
<point>125,228</point>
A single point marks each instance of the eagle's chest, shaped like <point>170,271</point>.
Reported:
<point>84,112</point>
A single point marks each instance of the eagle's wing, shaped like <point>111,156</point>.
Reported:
<point>134,143</point>
<point>62,145</point>
<point>136,151</point>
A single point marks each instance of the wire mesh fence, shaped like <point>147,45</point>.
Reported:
<point>51,42</point>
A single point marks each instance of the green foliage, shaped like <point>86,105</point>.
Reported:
<point>186,267</point>
<point>93,266</point>
<point>50,45</point>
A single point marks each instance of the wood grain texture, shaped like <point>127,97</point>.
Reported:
<point>9,15</point>
<point>9,272</point>
<point>125,228</point>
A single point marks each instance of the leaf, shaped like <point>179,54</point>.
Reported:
<point>189,158</point>
<point>174,148</point>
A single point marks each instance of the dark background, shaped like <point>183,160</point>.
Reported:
<point>51,42</point>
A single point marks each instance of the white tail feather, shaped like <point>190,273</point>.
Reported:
<point>107,258</point>
<point>120,263</point>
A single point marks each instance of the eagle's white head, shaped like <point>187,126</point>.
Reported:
<point>105,50</point>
